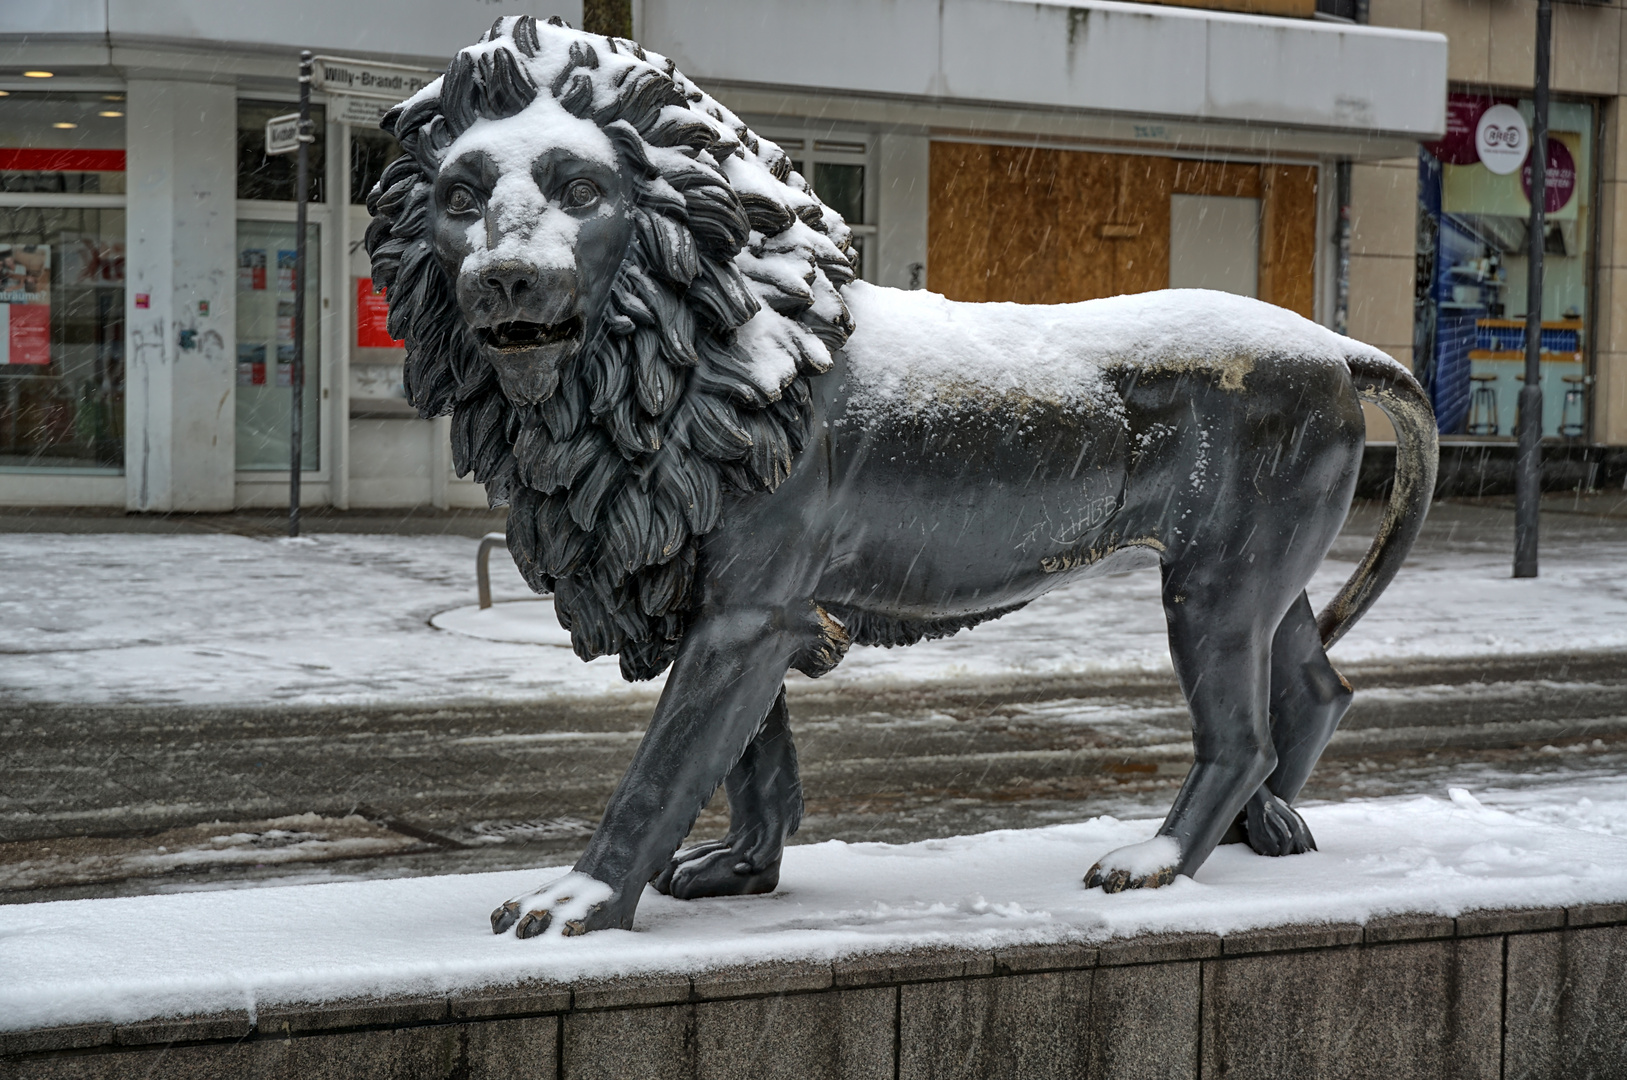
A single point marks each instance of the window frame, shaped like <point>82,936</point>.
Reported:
<point>49,200</point>
<point>804,145</point>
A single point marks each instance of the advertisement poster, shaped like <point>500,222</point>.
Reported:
<point>285,323</point>
<point>372,318</point>
<point>25,303</point>
<point>251,365</point>
<point>285,271</point>
<point>251,270</point>
<point>91,261</point>
<point>285,364</point>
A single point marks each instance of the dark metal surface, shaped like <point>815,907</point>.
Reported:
<point>1528,475</point>
<point>739,535</point>
<point>296,435</point>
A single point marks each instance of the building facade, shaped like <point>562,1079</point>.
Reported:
<point>985,149</point>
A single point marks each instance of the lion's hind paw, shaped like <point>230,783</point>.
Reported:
<point>567,906</point>
<point>1147,865</point>
<point>1274,827</point>
<point>716,868</point>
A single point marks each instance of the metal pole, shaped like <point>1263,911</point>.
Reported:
<point>1528,467</point>
<point>296,435</point>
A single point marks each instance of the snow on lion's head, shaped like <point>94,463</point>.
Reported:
<point>619,293</point>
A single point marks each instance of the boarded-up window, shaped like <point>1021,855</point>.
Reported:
<point>1043,226</point>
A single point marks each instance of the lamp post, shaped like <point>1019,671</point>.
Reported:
<point>296,426</point>
<point>1528,466</point>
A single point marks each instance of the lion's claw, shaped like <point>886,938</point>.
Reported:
<point>532,924</point>
<point>1112,881</point>
<point>505,916</point>
<point>1147,865</point>
<point>572,905</point>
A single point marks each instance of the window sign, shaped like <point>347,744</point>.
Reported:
<point>1474,199</point>
<point>265,345</point>
<point>372,318</point>
<point>251,270</point>
<point>25,304</point>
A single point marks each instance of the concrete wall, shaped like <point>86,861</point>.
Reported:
<point>180,370</point>
<point>1498,994</point>
<point>1158,61</point>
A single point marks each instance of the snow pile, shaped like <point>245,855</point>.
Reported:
<point>919,351</point>
<point>353,620</point>
<point>132,958</point>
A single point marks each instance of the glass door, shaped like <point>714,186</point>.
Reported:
<point>265,345</point>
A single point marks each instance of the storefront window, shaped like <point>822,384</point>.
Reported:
<point>61,282</point>
<point>265,345</point>
<point>272,178</point>
<point>62,143</point>
<point>370,152</point>
<point>1473,252</point>
<point>836,169</point>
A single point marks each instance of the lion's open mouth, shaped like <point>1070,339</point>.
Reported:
<point>520,336</point>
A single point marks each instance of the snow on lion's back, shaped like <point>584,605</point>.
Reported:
<point>911,347</point>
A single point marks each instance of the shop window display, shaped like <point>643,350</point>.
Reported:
<point>265,345</point>
<point>370,152</point>
<point>1473,252</point>
<point>61,282</point>
<point>272,179</point>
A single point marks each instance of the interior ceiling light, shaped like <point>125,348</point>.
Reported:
<point>64,124</point>
<point>112,97</point>
<point>38,74</point>
<point>110,112</point>
<point>5,93</point>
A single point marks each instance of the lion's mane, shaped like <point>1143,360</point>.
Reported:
<point>691,386</point>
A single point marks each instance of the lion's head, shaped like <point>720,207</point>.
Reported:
<point>619,293</point>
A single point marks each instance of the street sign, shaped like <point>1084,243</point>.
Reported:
<point>361,111</point>
<point>364,78</point>
<point>282,134</point>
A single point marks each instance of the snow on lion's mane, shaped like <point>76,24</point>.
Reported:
<point>692,384</point>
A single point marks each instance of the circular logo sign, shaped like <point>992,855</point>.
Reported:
<point>1500,138</point>
<point>1559,177</point>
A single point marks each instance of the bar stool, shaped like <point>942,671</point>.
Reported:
<point>1483,405</point>
<point>1571,422</point>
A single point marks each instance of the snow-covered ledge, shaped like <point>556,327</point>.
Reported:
<point>1097,55</point>
<point>1438,930</point>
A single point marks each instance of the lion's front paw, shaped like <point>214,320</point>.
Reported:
<point>1140,866</point>
<point>1274,827</point>
<point>572,905</point>
<point>716,868</point>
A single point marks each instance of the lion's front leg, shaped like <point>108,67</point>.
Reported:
<point>722,685</point>
<point>765,808</point>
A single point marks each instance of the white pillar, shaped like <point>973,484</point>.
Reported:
<point>901,217</point>
<point>180,376</point>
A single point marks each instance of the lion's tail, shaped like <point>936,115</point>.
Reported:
<point>1417,456</point>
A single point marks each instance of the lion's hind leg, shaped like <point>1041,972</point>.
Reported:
<point>1308,699</point>
<point>765,808</point>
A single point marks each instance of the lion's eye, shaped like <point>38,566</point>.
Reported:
<point>581,193</point>
<point>460,200</point>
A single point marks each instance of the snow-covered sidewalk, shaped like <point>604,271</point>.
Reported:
<point>357,619</point>
<point>133,958</point>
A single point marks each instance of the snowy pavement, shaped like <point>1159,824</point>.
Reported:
<point>358,620</point>
<point>132,958</point>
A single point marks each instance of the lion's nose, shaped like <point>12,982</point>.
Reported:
<point>513,281</point>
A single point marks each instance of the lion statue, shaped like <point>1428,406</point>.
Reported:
<point>724,455</point>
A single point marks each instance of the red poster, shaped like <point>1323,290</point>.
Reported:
<point>25,304</point>
<point>372,315</point>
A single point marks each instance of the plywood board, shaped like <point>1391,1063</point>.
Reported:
<point>1288,237</point>
<point>1043,226</point>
